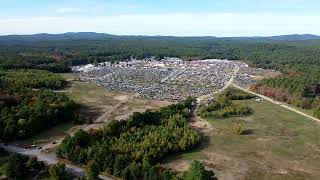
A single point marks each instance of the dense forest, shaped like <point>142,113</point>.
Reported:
<point>32,79</point>
<point>27,106</point>
<point>26,112</point>
<point>131,149</point>
<point>36,61</point>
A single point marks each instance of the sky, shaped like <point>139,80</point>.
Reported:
<point>222,18</point>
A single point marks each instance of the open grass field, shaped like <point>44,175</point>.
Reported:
<point>280,144</point>
<point>94,100</point>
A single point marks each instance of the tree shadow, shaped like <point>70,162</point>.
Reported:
<point>247,132</point>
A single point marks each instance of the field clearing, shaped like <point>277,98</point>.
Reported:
<point>94,102</point>
<point>136,105</point>
<point>281,145</point>
<point>98,100</point>
<point>93,99</point>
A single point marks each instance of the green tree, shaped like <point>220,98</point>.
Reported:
<point>198,172</point>
<point>17,166</point>
<point>58,172</point>
<point>121,162</point>
<point>316,113</point>
<point>92,172</point>
<point>34,164</point>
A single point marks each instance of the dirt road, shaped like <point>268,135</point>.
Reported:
<point>277,102</point>
<point>228,84</point>
<point>231,83</point>
<point>200,123</point>
<point>105,116</point>
<point>47,158</point>
<point>50,158</point>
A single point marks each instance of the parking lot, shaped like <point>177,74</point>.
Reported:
<point>170,79</point>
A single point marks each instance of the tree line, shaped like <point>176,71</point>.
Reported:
<point>298,60</point>
<point>223,107</point>
<point>33,62</point>
<point>310,103</point>
<point>31,79</point>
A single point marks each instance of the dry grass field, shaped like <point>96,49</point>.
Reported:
<point>95,102</point>
<point>280,145</point>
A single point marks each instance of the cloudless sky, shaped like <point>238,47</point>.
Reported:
<point>165,17</point>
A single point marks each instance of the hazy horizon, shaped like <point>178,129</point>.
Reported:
<point>226,18</point>
<point>106,33</point>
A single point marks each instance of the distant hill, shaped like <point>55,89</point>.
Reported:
<point>294,37</point>
<point>17,39</point>
<point>54,37</point>
<point>291,37</point>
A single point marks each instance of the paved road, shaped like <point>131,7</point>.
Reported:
<point>47,158</point>
<point>277,102</point>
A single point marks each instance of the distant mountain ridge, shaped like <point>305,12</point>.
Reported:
<point>55,37</point>
<point>290,37</point>
<point>103,36</point>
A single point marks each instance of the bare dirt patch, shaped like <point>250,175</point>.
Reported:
<point>202,125</point>
<point>121,97</point>
<point>225,166</point>
<point>179,165</point>
<point>136,105</point>
<point>259,74</point>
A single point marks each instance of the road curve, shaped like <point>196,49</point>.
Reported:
<point>226,86</point>
<point>277,103</point>
<point>47,158</point>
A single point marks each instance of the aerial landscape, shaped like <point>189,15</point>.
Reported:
<point>130,90</point>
